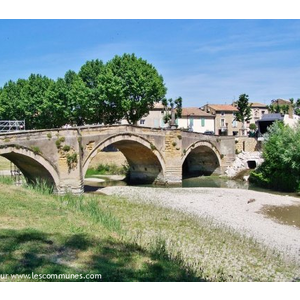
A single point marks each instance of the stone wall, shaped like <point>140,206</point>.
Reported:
<point>244,161</point>
<point>247,144</point>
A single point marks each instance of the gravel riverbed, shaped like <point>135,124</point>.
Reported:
<point>236,208</point>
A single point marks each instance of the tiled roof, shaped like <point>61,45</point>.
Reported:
<point>195,111</point>
<point>256,104</point>
<point>222,107</point>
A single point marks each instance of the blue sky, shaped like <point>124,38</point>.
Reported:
<point>202,61</point>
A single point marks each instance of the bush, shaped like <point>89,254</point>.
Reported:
<point>281,167</point>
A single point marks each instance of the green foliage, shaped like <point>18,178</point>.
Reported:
<point>72,160</point>
<point>296,106</point>
<point>252,126</point>
<point>125,87</point>
<point>281,152</point>
<point>58,144</point>
<point>129,87</point>
<point>277,108</point>
<point>35,150</point>
<point>66,148</point>
<point>172,107</point>
<point>108,169</point>
<point>49,136</point>
<point>152,147</point>
<point>59,141</point>
<point>244,109</point>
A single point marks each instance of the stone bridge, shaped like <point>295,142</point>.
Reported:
<point>62,156</point>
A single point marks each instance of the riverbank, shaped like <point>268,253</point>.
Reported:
<point>241,210</point>
<point>126,240</point>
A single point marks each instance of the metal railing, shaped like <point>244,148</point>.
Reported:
<point>7,125</point>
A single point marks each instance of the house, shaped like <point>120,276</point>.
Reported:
<point>155,117</point>
<point>258,110</point>
<point>225,123</point>
<point>196,120</point>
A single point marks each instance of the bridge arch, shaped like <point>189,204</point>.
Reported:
<point>146,163</point>
<point>201,158</point>
<point>33,166</point>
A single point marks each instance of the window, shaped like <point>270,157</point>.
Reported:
<point>222,113</point>
<point>142,121</point>
<point>234,124</point>
<point>202,122</point>
<point>222,122</point>
<point>262,112</point>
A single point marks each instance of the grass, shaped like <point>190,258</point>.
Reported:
<point>4,163</point>
<point>125,241</point>
<point>108,169</point>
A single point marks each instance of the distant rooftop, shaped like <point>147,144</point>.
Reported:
<point>271,117</point>
<point>257,104</point>
<point>195,111</point>
<point>222,107</point>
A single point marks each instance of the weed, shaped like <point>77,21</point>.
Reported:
<point>58,144</point>
<point>72,160</point>
<point>59,141</point>
<point>41,186</point>
<point>90,208</point>
<point>152,147</point>
<point>36,150</point>
<point>66,148</point>
<point>49,136</point>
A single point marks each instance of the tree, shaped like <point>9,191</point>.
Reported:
<point>90,71</point>
<point>173,110</point>
<point>296,106</point>
<point>244,110</point>
<point>27,100</point>
<point>128,88</point>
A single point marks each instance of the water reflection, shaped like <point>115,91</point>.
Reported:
<point>91,185</point>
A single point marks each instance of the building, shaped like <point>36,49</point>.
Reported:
<point>197,120</point>
<point>225,123</point>
<point>258,110</point>
<point>155,117</point>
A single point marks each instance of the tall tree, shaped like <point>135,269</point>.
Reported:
<point>173,110</point>
<point>90,74</point>
<point>244,110</point>
<point>129,87</point>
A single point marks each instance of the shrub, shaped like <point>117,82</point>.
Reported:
<point>252,126</point>
<point>281,167</point>
<point>36,150</point>
<point>66,148</point>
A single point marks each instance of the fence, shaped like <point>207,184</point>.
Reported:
<point>7,126</point>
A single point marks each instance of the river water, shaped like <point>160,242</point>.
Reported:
<point>201,181</point>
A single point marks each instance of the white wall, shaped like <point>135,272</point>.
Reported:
<point>196,124</point>
<point>291,121</point>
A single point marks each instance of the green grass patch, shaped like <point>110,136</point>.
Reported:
<point>108,169</point>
